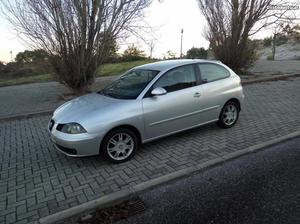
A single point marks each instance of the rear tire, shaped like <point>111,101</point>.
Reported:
<point>119,145</point>
<point>229,115</point>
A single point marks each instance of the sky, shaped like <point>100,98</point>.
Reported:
<point>9,41</point>
<point>167,19</point>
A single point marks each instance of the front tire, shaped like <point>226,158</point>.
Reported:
<point>119,145</point>
<point>229,115</point>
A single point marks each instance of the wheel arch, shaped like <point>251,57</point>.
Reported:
<point>235,100</point>
<point>127,126</point>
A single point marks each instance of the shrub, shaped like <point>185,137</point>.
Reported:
<point>296,38</point>
<point>267,42</point>
<point>250,54</point>
<point>281,39</point>
<point>270,57</point>
<point>126,58</point>
<point>132,53</point>
<point>17,70</point>
<point>194,52</point>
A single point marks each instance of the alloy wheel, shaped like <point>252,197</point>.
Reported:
<point>120,146</point>
<point>230,114</point>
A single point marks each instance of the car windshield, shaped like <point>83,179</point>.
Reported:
<point>129,85</point>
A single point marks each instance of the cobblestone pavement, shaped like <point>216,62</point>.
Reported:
<point>36,97</point>
<point>36,180</point>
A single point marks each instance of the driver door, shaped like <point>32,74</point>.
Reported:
<point>175,110</point>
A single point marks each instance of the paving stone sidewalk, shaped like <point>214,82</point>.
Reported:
<point>36,180</point>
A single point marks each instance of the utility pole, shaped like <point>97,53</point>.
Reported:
<point>151,45</point>
<point>11,59</point>
<point>181,43</point>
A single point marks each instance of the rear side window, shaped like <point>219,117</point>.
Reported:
<point>212,72</point>
<point>177,79</point>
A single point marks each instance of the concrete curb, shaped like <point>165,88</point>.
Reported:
<point>26,115</point>
<point>122,195</point>
<point>268,79</point>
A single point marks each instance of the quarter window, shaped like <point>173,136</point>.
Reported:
<point>212,72</point>
<point>177,79</point>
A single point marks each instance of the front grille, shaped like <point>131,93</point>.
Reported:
<point>51,124</point>
<point>67,150</point>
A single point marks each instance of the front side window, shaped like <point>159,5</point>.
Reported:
<point>212,72</point>
<point>130,85</point>
<point>178,78</point>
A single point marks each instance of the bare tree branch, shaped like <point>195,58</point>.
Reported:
<point>76,33</point>
<point>232,22</point>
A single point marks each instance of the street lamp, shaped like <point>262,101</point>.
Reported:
<point>11,59</point>
<point>181,43</point>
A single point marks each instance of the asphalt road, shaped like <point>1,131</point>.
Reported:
<point>263,187</point>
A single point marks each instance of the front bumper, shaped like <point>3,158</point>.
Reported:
<point>76,145</point>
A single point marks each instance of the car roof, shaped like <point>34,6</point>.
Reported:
<point>167,64</point>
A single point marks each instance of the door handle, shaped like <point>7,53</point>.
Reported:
<point>197,94</point>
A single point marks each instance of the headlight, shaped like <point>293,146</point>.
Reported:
<point>71,128</point>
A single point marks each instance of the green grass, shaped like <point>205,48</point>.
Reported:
<point>25,80</point>
<point>119,68</point>
<point>106,70</point>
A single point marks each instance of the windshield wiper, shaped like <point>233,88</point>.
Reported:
<point>104,93</point>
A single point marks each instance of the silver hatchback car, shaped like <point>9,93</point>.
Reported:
<point>146,103</point>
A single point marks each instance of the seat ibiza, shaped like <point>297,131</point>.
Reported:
<point>146,103</point>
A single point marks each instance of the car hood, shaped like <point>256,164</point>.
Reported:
<point>84,107</point>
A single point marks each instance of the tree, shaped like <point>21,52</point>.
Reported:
<point>2,66</point>
<point>267,42</point>
<point>24,57</point>
<point>112,48</point>
<point>281,33</point>
<point>76,34</point>
<point>196,53</point>
<point>132,53</point>
<point>277,33</point>
<point>31,56</point>
<point>292,31</point>
<point>232,22</point>
<point>151,45</point>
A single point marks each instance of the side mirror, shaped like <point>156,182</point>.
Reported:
<point>159,91</point>
<point>204,80</point>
